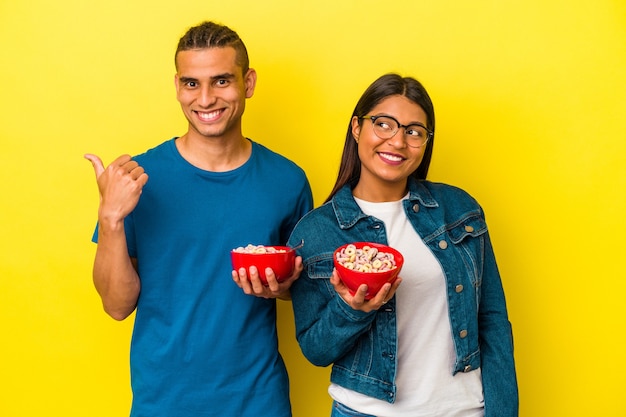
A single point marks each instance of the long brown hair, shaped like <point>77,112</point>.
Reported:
<point>385,86</point>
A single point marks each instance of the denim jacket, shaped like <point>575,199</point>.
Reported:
<point>362,347</point>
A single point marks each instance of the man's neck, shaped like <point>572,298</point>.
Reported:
<point>216,154</point>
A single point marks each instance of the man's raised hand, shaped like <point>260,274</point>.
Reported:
<point>120,185</point>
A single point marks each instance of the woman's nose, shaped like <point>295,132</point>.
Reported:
<point>398,140</point>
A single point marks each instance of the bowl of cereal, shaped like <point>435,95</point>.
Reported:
<point>367,263</point>
<point>280,258</point>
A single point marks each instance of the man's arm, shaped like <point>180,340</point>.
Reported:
<point>114,273</point>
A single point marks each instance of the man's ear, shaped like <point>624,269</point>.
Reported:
<point>250,82</point>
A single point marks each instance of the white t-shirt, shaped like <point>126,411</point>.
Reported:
<point>425,385</point>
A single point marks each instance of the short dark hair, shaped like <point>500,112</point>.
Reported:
<point>214,35</point>
<point>385,86</point>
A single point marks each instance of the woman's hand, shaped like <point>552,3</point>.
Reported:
<point>358,301</point>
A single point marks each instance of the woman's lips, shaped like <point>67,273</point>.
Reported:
<point>391,158</point>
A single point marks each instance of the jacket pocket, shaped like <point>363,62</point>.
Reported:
<point>320,267</point>
<point>468,236</point>
<point>472,225</point>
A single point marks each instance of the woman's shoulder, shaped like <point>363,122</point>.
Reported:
<point>444,188</point>
<point>315,221</point>
<point>324,212</point>
<point>446,194</point>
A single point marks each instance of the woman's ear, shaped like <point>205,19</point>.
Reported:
<point>356,128</point>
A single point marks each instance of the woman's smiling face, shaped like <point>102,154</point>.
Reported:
<point>387,163</point>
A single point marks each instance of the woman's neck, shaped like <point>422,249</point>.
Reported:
<point>379,193</point>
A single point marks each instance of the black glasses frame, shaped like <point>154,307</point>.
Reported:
<point>429,132</point>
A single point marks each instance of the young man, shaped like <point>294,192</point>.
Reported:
<point>166,223</point>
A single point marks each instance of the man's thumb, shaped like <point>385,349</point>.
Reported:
<point>96,162</point>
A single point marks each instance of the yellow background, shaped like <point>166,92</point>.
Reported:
<point>530,99</point>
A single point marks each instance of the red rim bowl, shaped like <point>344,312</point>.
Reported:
<point>374,280</point>
<point>282,263</point>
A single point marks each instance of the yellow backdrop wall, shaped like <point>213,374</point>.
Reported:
<point>529,97</point>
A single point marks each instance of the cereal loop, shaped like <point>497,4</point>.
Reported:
<point>258,249</point>
<point>367,259</point>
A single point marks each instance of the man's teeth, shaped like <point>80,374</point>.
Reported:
<point>208,116</point>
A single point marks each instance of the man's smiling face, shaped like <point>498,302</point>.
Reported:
<point>212,91</point>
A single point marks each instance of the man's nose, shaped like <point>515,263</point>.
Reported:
<point>206,96</point>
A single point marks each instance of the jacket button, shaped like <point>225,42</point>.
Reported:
<point>469,229</point>
<point>443,244</point>
<point>467,368</point>
<point>458,288</point>
<point>463,334</point>
<point>416,208</point>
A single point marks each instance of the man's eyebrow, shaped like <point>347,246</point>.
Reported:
<point>226,75</point>
<point>187,79</point>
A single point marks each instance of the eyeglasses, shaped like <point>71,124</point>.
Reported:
<point>386,127</point>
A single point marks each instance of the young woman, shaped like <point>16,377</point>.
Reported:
<point>438,341</point>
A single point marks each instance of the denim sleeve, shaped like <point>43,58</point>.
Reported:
<point>326,326</point>
<point>496,343</point>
